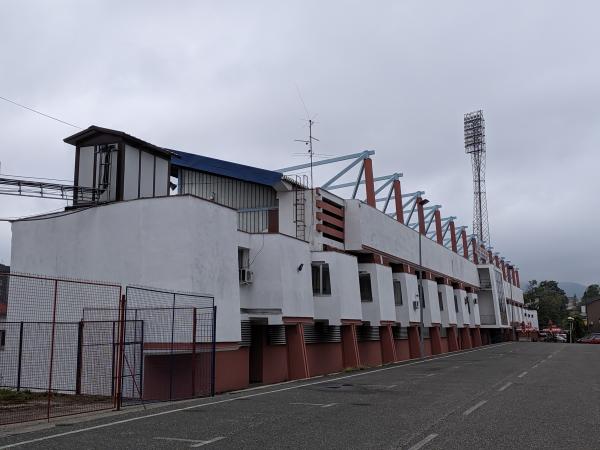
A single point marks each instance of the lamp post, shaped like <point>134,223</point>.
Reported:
<point>570,319</point>
<point>420,289</point>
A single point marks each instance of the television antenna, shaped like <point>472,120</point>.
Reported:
<point>309,143</point>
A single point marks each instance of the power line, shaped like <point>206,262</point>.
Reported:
<point>39,112</point>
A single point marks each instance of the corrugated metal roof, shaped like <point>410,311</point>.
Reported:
<point>225,168</point>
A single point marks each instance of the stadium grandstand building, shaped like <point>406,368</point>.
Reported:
<point>306,281</point>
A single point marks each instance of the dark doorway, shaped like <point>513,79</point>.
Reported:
<point>258,335</point>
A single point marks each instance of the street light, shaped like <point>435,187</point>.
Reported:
<point>570,319</point>
<point>421,202</point>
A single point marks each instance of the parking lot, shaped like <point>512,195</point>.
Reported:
<point>512,395</point>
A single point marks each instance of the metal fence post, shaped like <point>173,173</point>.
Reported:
<point>214,351</point>
<point>171,356</point>
<point>52,349</point>
<point>120,357</point>
<point>194,352</point>
<point>142,362</point>
<point>20,356</point>
<point>79,357</point>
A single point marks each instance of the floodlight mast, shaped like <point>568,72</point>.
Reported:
<point>474,133</point>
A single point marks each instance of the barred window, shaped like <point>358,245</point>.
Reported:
<point>397,292</point>
<point>441,301</point>
<point>364,279</point>
<point>320,278</point>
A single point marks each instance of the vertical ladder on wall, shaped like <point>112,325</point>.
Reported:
<point>300,206</point>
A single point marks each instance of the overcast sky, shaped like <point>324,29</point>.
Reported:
<point>222,79</point>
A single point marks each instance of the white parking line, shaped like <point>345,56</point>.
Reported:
<point>550,356</point>
<point>430,375</point>
<point>195,442</point>
<point>474,407</point>
<point>535,366</point>
<point>504,387</point>
<point>322,405</point>
<point>423,442</point>
<point>255,394</point>
<point>522,374</point>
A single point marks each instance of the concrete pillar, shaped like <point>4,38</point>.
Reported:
<point>350,353</point>
<point>463,236</point>
<point>465,335</point>
<point>398,201</point>
<point>297,356</point>
<point>436,340</point>
<point>476,337</point>
<point>369,181</point>
<point>452,232</point>
<point>388,349</point>
<point>438,226</point>
<point>421,216</point>
<point>413,342</point>
<point>452,339</point>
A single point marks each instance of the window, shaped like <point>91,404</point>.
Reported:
<point>364,280</point>
<point>441,301</point>
<point>2,338</point>
<point>456,303</point>
<point>320,278</point>
<point>422,296</point>
<point>468,304</point>
<point>397,293</point>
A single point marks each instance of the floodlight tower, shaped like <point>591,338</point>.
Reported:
<point>475,146</point>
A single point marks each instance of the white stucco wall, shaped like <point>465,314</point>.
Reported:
<point>178,243</point>
<point>368,226</point>
<point>474,318</point>
<point>344,301</point>
<point>448,315</point>
<point>431,311</point>
<point>462,317</point>
<point>406,313</point>
<point>278,284</point>
<point>382,307</point>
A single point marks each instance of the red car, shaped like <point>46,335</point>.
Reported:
<point>591,339</point>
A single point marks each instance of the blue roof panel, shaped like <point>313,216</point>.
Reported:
<point>225,168</point>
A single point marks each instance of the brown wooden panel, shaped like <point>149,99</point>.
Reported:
<point>332,209</point>
<point>330,219</point>
<point>331,231</point>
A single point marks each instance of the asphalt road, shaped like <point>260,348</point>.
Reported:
<point>519,395</point>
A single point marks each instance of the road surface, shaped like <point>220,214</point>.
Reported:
<point>512,395</point>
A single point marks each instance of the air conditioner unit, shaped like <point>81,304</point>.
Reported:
<point>416,304</point>
<point>246,276</point>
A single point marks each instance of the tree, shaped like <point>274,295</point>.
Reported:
<point>592,292</point>
<point>549,300</point>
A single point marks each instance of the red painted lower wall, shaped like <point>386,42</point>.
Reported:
<point>402,349</point>
<point>444,345</point>
<point>324,358</point>
<point>427,346</point>
<point>275,363</point>
<point>370,353</point>
<point>231,371</point>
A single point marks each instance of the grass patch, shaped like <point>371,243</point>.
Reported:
<point>11,396</point>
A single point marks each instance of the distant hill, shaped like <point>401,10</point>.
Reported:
<point>572,289</point>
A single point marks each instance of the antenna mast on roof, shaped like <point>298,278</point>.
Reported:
<point>309,142</point>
